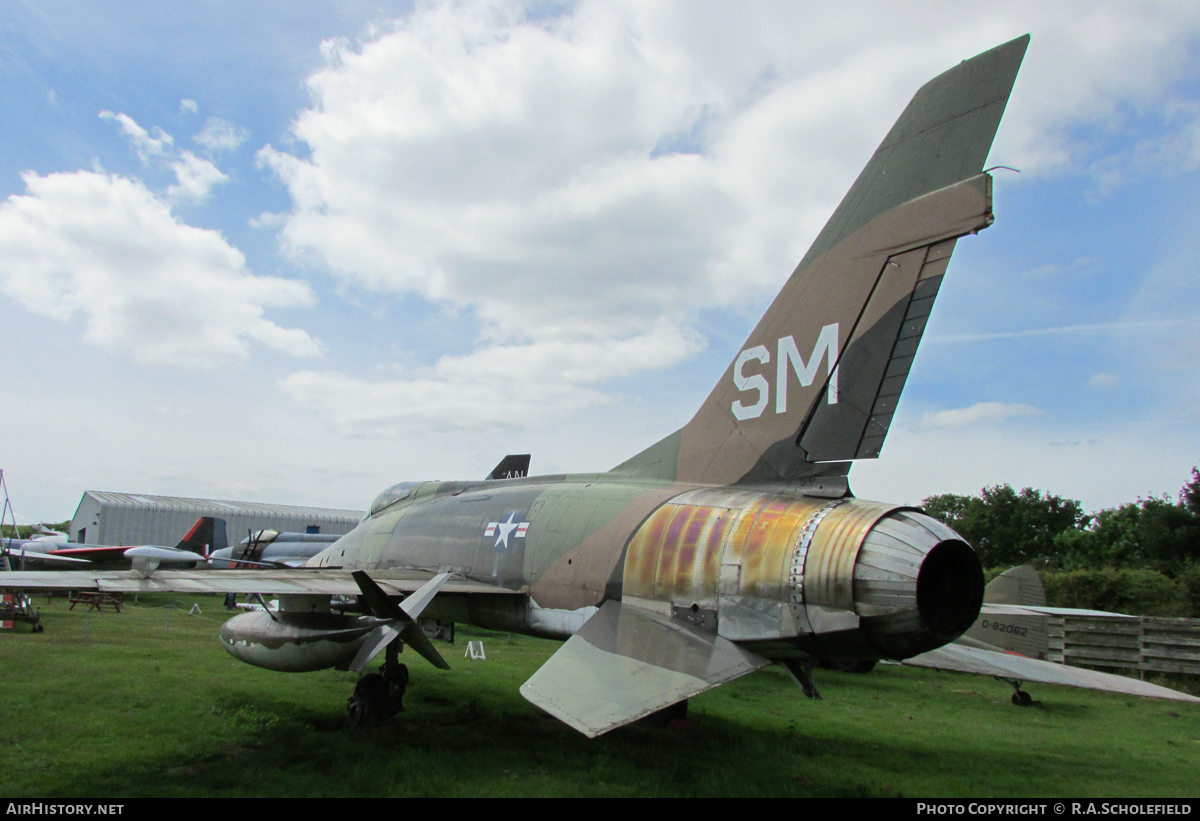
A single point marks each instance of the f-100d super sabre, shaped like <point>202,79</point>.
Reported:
<point>731,544</point>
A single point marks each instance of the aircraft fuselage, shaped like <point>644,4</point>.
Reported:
<point>783,573</point>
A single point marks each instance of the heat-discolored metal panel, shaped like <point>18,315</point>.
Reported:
<point>760,559</point>
<point>676,553</point>
<point>829,568</point>
<point>799,559</point>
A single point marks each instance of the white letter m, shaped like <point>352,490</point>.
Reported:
<point>827,346</point>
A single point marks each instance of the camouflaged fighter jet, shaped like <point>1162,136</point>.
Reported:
<point>732,543</point>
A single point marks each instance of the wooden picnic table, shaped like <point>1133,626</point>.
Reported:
<point>97,600</point>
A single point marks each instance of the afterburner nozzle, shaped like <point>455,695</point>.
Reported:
<point>917,584</point>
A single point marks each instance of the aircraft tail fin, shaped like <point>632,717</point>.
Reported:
<point>513,466</point>
<point>1017,585</point>
<point>206,536</point>
<point>816,383</point>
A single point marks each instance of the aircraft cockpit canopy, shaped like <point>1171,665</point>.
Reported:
<point>392,495</point>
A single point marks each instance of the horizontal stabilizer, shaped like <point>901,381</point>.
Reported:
<point>626,663</point>
<point>962,659</point>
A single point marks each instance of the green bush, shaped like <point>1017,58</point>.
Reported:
<point>1189,583</point>
<point>1138,592</point>
<point>1151,533</point>
<point>1009,527</point>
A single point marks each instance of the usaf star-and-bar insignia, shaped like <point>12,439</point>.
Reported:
<point>503,530</point>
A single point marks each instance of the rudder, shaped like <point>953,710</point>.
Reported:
<point>816,383</point>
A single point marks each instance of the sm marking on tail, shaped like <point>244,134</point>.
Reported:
<point>827,347</point>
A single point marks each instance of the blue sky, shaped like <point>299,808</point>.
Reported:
<point>297,252</point>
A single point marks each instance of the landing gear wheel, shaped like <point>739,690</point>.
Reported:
<point>1020,698</point>
<point>396,677</point>
<point>801,672</point>
<point>849,665</point>
<point>369,704</point>
<point>674,712</point>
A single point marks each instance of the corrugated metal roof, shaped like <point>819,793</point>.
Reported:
<point>145,501</point>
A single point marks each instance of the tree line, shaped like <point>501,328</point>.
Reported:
<point>1140,557</point>
<point>7,531</point>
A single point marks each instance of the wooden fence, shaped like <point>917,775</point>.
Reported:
<point>1137,643</point>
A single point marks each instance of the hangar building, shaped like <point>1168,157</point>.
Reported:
<point>133,518</point>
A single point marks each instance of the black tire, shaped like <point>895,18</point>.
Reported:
<point>666,715</point>
<point>369,704</point>
<point>850,665</point>
<point>1021,698</point>
<point>397,684</point>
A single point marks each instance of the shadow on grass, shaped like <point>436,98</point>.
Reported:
<point>170,714</point>
<point>460,742</point>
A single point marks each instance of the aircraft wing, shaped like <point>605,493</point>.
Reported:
<point>91,553</point>
<point>1039,610</point>
<point>267,582</point>
<point>48,558</point>
<point>964,659</point>
<point>626,663</point>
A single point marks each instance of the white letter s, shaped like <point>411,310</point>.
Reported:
<point>757,382</point>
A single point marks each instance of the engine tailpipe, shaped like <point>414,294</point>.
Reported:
<point>917,584</point>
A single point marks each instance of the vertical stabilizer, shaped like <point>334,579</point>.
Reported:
<point>1018,585</point>
<point>207,535</point>
<point>816,383</point>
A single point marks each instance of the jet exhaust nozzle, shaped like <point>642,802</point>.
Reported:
<point>917,584</point>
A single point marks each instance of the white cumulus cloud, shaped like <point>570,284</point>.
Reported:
<point>195,176</point>
<point>498,386</point>
<point>619,167</point>
<point>221,135</point>
<point>147,144</point>
<point>106,248</point>
<point>981,413</point>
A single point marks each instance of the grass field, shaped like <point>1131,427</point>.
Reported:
<point>145,703</point>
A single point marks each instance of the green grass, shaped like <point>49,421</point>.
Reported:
<point>146,703</point>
